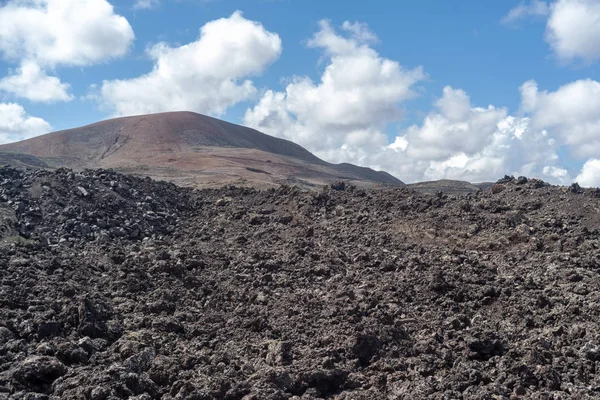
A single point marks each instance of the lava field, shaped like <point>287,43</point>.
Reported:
<point>113,287</point>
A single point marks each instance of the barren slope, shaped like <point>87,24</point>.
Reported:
<point>190,149</point>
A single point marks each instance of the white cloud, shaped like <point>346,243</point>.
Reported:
<point>30,82</point>
<point>454,104</point>
<point>360,31</point>
<point>206,76</point>
<point>573,30</point>
<point>529,95</point>
<point>16,124</point>
<point>63,32</point>
<point>590,174</point>
<point>153,4</point>
<point>343,118</point>
<point>461,141</point>
<point>572,112</point>
<point>146,4</point>
<point>443,134</point>
<point>358,94</point>
<point>572,27</point>
<point>455,141</point>
<point>45,34</point>
<point>534,8</point>
<point>555,172</point>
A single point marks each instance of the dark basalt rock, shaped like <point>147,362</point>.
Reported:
<point>113,286</point>
<point>37,373</point>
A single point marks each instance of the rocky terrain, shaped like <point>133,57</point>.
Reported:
<point>448,186</point>
<point>115,287</point>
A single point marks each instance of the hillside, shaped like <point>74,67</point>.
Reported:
<point>191,150</point>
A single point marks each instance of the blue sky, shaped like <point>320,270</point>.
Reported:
<point>425,90</point>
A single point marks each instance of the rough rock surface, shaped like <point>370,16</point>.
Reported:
<point>118,287</point>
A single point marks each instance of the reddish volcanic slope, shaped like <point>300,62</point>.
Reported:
<point>190,149</point>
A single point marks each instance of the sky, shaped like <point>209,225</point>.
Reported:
<point>425,90</point>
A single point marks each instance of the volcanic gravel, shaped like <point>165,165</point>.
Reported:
<point>119,287</point>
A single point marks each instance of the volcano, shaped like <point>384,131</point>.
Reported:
<point>188,149</point>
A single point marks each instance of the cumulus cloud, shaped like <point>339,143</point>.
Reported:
<point>555,172</point>
<point>455,104</point>
<point>63,32</point>
<point>358,94</point>
<point>534,8</point>
<point>573,30</point>
<point>16,124</point>
<point>45,34</point>
<point>360,31</point>
<point>572,112</point>
<point>590,174</point>
<point>206,76</point>
<point>462,141</point>
<point>30,82</point>
<point>572,27</point>
<point>458,140</point>
<point>344,118</point>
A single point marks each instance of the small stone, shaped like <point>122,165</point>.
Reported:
<point>338,185</point>
<point>258,220</point>
<point>69,353</point>
<point>103,237</point>
<point>48,329</point>
<point>99,393</point>
<point>82,191</point>
<point>520,390</point>
<point>34,396</point>
<point>5,335</point>
<point>37,371</point>
<point>45,349</point>
<point>497,188</point>
<point>279,353</point>
<point>140,362</point>
<point>285,219</point>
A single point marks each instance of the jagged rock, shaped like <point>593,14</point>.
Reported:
<point>497,188</point>
<point>5,335</point>
<point>338,185</point>
<point>91,321</point>
<point>82,191</point>
<point>37,372</point>
<point>142,289</point>
<point>48,329</point>
<point>279,353</point>
<point>140,362</point>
